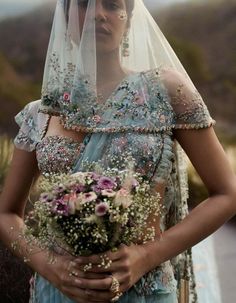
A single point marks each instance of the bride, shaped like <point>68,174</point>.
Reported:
<point>113,86</point>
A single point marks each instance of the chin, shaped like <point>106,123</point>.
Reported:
<point>103,47</point>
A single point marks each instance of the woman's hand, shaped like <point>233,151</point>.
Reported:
<point>128,266</point>
<point>65,275</point>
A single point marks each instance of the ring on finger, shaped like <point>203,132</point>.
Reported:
<point>115,285</point>
<point>117,296</point>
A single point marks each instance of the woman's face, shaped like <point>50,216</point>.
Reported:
<point>111,22</point>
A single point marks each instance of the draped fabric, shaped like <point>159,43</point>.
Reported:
<point>111,74</point>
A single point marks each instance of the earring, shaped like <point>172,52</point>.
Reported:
<point>69,45</point>
<point>123,15</point>
<point>125,46</point>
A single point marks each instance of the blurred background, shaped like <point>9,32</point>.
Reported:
<point>202,33</point>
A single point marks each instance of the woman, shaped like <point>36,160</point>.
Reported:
<point>114,87</point>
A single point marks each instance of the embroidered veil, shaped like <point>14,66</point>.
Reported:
<point>95,48</point>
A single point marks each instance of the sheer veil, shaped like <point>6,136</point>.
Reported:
<point>73,53</point>
<point>75,67</point>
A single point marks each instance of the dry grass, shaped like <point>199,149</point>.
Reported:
<point>6,148</point>
<point>14,274</point>
<point>14,278</point>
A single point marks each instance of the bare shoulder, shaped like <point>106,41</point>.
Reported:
<point>22,173</point>
<point>172,79</point>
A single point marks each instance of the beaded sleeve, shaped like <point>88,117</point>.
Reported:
<point>31,125</point>
<point>189,109</point>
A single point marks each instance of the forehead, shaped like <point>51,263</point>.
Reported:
<point>102,1</point>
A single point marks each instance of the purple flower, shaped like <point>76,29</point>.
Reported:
<point>96,189</point>
<point>101,209</point>
<point>80,188</point>
<point>46,197</point>
<point>106,183</point>
<point>95,176</point>
<point>60,208</point>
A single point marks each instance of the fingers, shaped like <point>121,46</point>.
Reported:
<point>96,285</point>
<point>89,295</point>
<point>101,284</point>
<point>121,265</point>
<point>79,292</point>
<point>102,263</point>
<point>94,273</point>
<point>96,259</point>
<point>75,284</point>
<point>87,287</point>
<point>82,280</point>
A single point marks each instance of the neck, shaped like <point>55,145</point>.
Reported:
<point>109,68</point>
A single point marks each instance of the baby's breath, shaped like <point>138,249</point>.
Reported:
<point>94,211</point>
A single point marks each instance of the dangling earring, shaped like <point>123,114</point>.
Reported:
<point>69,45</point>
<point>125,46</point>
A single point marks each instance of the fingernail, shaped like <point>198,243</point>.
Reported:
<point>78,260</point>
<point>88,292</point>
<point>77,281</point>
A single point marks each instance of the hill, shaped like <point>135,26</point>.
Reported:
<point>203,36</point>
<point>13,90</point>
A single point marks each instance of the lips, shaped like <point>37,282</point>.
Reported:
<point>102,30</point>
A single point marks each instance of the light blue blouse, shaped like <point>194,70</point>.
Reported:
<point>139,119</point>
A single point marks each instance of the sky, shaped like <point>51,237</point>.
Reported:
<point>38,1</point>
<point>14,7</point>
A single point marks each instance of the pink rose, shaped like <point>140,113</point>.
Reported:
<point>66,97</point>
<point>101,209</point>
<point>108,192</point>
<point>89,197</point>
<point>123,198</point>
<point>72,199</point>
<point>139,100</point>
<point>96,118</point>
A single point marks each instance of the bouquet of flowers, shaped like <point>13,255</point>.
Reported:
<point>87,212</point>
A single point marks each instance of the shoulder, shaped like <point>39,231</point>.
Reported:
<point>30,109</point>
<point>32,106</point>
<point>179,86</point>
<point>31,123</point>
<point>30,117</point>
<point>168,75</point>
<point>33,109</point>
<point>167,79</point>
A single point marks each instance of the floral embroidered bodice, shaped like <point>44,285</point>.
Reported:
<point>138,120</point>
<point>56,154</point>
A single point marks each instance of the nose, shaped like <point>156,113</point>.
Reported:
<point>100,13</point>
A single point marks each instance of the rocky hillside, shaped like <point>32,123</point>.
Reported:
<point>203,35</point>
<point>204,38</point>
